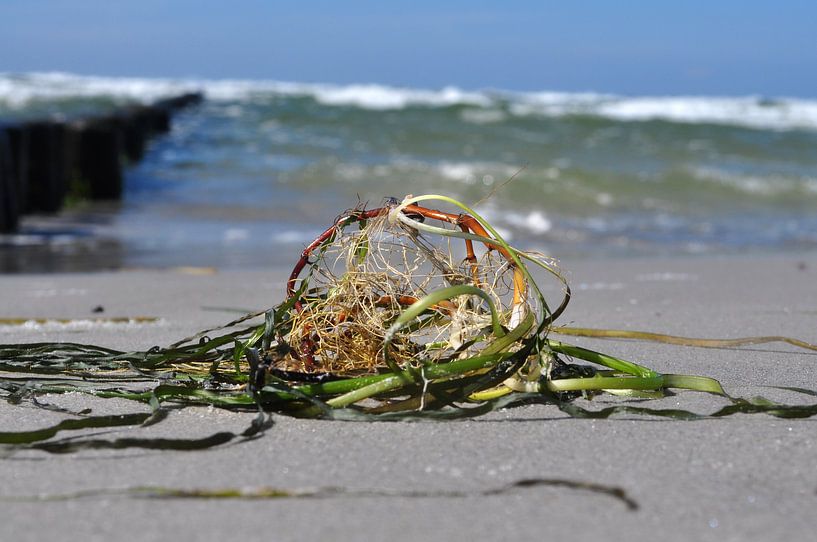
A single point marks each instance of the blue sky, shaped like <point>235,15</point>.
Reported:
<point>631,47</point>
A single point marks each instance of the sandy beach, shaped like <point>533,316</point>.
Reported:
<point>744,477</point>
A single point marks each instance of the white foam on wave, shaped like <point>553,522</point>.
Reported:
<point>486,173</point>
<point>749,111</point>
<point>771,185</point>
<point>18,90</point>
<point>383,97</point>
<point>746,111</point>
<point>531,223</point>
<point>535,222</point>
<point>459,171</point>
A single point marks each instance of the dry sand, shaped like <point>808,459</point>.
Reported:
<point>747,477</point>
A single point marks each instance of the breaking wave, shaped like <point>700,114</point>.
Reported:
<point>17,91</point>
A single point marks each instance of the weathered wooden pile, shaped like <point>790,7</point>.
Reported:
<point>43,161</point>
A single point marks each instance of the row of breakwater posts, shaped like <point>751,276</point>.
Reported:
<point>42,162</point>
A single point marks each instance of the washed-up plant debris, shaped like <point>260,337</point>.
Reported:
<point>270,493</point>
<point>397,312</point>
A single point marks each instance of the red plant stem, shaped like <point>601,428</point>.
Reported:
<point>322,238</point>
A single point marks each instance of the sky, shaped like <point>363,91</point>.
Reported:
<point>636,47</point>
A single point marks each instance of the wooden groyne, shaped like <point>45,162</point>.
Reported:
<point>43,161</point>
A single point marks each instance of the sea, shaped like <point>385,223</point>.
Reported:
<point>247,178</point>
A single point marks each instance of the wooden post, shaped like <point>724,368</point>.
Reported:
<point>38,159</point>
<point>98,165</point>
<point>9,199</point>
<point>47,166</point>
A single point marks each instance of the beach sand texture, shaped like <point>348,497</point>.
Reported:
<point>745,477</point>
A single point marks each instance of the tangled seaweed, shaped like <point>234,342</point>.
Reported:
<point>401,311</point>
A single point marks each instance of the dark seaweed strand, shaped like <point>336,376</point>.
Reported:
<point>158,492</point>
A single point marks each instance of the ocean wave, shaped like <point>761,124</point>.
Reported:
<point>484,106</point>
<point>383,98</point>
<point>749,111</point>
<point>535,222</point>
<point>757,185</point>
<point>19,90</point>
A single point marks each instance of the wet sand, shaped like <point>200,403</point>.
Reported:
<point>746,477</point>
